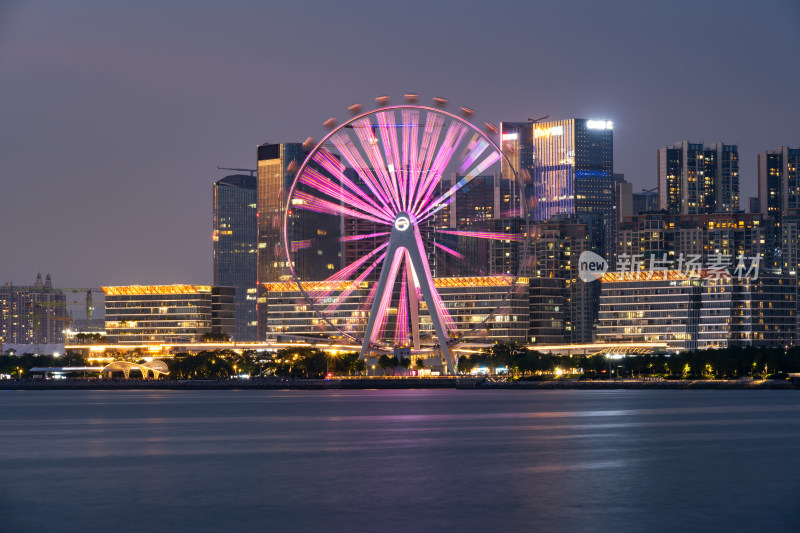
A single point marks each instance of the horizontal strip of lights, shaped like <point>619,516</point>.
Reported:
<point>132,290</point>
<point>655,275</point>
<point>312,286</point>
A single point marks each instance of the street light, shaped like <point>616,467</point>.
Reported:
<point>614,357</point>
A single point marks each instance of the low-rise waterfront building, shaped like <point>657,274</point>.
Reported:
<point>469,300</point>
<point>156,314</point>
<point>698,311</point>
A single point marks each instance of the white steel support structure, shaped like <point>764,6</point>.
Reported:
<point>405,247</point>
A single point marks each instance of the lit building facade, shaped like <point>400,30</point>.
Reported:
<point>276,163</point>
<point>759,312</point>
<point>779,182</point>
<point>562,307</point>
<point>161,314</point>
<point>571,168</point>
<point>662,308</point>
<point>702,311</point>
<point>647,238</point>
<point>235,240</point>
<point>468,300</point>
<point>696,179</point>
<point>779,200</point>
<point>33,314</point>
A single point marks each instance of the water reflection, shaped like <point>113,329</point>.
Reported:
<point>400,460</point>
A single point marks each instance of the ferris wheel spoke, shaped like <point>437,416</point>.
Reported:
<point>351,238</point>
<point>430,136</point>
<point>443,311</point>
<point>300,245</point>
<point>329,162</point>
<point>450,251</point>
<point>345,273</point>
<point>439,203</point>
<point>516,212</point>
<point>317,181</point>
<point>490,235</point>
<point>346,147</point>
<point>354,285</point>
<point>453,137</point>
<point>369,143</point>
<point>386,297</point>
<point>309,202</point>
<point>476,147</point>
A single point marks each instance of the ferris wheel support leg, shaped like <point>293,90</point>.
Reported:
<point>425,278</point>
<point>413,303</point>
<point>375,309</point>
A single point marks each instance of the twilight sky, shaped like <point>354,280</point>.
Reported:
<point>115,115</point>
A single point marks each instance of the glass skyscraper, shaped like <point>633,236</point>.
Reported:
<point>569,165</point>
<point>235,244</point>
<point>315,259</point>
<point>274,182</point>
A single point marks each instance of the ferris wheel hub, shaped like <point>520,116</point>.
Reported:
<point>402,222</point>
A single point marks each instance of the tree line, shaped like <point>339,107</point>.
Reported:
<point>515,360</point>
<point>727,363</point>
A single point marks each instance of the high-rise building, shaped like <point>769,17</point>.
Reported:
<point>235,239</point>
<point>274,181</point>
<point>754,204</point>
<point>33,314</point>
<point>563,308</point>
<point>648,238</point>
<point>779,200</point>
<point>142,314</point>
<point>623,203</point>
<point>696,179</point>
<point>571,169</point>
<point>779,182</point>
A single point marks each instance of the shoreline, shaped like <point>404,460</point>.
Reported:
<point>391,383</point>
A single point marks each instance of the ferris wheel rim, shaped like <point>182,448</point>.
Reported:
<point>452,340</point>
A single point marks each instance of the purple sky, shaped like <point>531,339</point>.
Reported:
<point>114,116</point>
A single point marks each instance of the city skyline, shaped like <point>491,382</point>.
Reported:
<point>118,116</point>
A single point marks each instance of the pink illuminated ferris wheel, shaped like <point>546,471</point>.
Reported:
<point>395,222</point>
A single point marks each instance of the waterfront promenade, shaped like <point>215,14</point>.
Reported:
<point>390,383</point>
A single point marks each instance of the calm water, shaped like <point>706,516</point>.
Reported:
<point>400,461</point>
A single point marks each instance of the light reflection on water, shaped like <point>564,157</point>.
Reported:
<point>411,460</point>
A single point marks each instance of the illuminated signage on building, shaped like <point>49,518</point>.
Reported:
<point>599,124</point>
<point>548,132</point>
<point>509,137</point>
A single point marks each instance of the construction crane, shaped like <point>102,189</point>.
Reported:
<point>535,120</point>
<point>250,170</point>
<point>89,306</point>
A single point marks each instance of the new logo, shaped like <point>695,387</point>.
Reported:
<point>591,266</point>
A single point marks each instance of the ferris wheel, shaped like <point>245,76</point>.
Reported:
<point>391,208</point>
